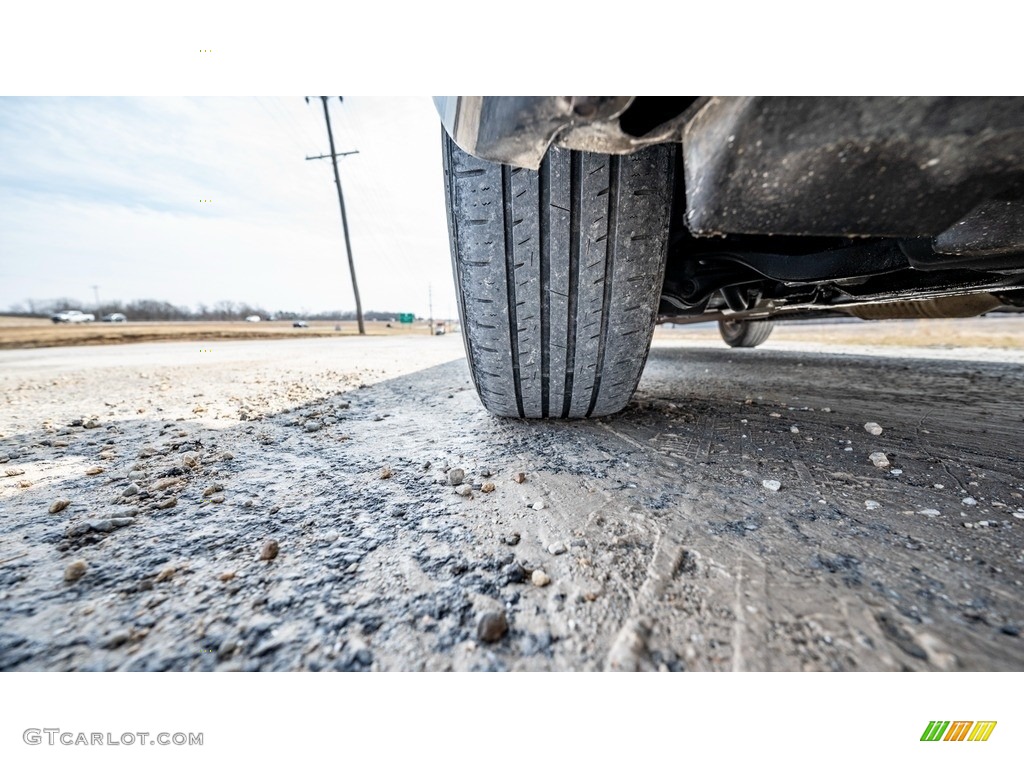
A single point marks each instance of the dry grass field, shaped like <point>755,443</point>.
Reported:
<point>24,333</point>
<point>1002,331</point>
<point>994,332</point>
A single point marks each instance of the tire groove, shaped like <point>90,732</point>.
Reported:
<point>543,201</point>
<point>510,284</point>
<point>576,204</point>
<point>609,271</point>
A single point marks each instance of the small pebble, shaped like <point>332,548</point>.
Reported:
<point>75,570</point>
<point>929,512</point>
<point>14,472</point>
<point>871,504</point>
<point>896,472</point>
<point>969,501</point>
<point>795,430</point>
<point>872,428</point>
<point>116,639</point>
<point>59,505</point>
<point>165,575</point>
<point>515,573</point>
<point>519,477</point>
<point>540,579</point>
<point>385,473</point>
<point>487,487</point>
<point>1019,515</point>
<point>131,490</point>
<point>105,526</point>
<point>227,576</point>
<point>190,460</point>
<point>78,529</point>
<point>269,550</point>
<point>215,488</point>
<point>540,505</point>
<point>771,485</point>
<point>879,459</point>
<point>492,627</point>
<point>227,456</point>
<point>456,476</point>
<point>512,539</point>
<point>313,425</point>
<point>465,490</point>
<point>94,470</point>
<point>557,548</point>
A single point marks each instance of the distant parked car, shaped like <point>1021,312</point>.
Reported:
<point>253,319</point>
<point>73,316</point>
<point>115,317</point>
<point>300,324</point>
<point>440,329</point>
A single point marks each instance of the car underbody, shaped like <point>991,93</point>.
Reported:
<point>788,208</point>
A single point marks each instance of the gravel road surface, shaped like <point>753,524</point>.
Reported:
<point>346,504</point>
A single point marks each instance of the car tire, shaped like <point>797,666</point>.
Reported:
<point>745,333</point>
<point>558,274</point>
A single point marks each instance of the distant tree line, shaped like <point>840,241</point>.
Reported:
<point>152,309</point>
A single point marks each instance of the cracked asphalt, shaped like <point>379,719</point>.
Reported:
<point>289,505</point>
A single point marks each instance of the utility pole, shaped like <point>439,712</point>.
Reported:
<point>341,202</point>
<point>96,294</point>
<point>430,300</point>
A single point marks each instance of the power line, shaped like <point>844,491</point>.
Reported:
<point>285,130</point>
<point>290,119</point>
<point>376,200</point>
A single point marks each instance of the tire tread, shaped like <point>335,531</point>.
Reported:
<point>558,275</point>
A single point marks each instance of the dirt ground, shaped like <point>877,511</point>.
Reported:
<point>650,540</point>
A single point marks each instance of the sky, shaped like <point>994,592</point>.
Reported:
<point>108,191</point>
